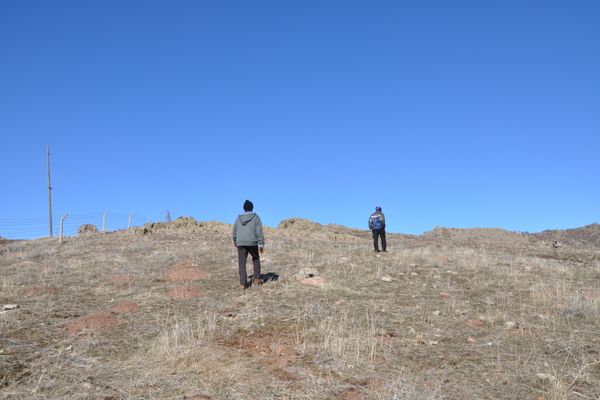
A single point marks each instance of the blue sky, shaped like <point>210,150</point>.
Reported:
<point>461,114</point>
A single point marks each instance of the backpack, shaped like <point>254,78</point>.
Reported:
<point>376,222</point>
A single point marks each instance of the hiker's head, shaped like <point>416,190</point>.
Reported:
<point>377,209</point>
<point>248,206</point>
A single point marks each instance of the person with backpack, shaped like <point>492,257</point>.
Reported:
<point>377,226</point>
<point>249,239</point>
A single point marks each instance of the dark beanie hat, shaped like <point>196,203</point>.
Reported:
<point>248,206</point>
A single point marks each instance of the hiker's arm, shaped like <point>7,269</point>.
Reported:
<point>259,233</point>
<point>234,232</point>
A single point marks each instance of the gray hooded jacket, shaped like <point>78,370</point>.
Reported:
<point>248,231</point>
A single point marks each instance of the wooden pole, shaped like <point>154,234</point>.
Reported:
<point>129,221</point>
<point>61,227</point>
<point>49,192</point>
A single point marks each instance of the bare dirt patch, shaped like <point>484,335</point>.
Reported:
<point>352,394</point>
<point>125,307</point>
<point>92,322</point>
<point>185,271</point>
<point>275,351</point>
<point>318,281</point>
<point>184,292</point>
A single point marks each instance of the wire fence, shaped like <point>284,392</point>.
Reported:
<point>33,228</point>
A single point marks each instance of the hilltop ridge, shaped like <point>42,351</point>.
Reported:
<point>588,235</point>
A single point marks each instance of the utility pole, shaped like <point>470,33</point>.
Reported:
<point>49,192</point>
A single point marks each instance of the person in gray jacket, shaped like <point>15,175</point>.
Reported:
<point>249,239</point>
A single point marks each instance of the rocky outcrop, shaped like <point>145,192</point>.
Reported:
<point>586,236</point>
<point>87,229</point>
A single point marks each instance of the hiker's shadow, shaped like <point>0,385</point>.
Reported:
<point>268,277</point>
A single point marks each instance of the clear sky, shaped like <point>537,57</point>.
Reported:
<point>445,113</point>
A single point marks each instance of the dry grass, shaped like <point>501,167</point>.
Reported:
<point>442,316</point>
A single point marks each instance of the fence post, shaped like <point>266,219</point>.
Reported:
<point>104,221</point>
<point>129,221</point>
<point>62,220</point>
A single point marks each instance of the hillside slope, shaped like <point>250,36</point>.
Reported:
<point>586,236</point>
<point>156,313</point>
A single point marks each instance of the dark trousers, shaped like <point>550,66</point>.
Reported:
<point>243,256</point>
<point>376,234</point>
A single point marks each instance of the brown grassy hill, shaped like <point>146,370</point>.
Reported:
<point>156,313</point>
<point>495,236</point>
<point>587,236</point>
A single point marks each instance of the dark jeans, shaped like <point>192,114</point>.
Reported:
<point>242,257</point>
<point>376,234</point>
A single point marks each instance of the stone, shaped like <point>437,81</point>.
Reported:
<point>510,324</point>
<point>545,377</point>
